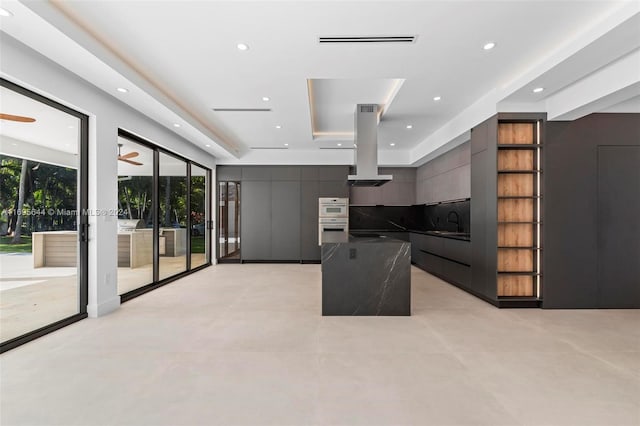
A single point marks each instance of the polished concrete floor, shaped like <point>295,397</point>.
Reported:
<point>246,345</point>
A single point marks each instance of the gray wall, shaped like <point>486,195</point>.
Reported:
<point>591,232</point>
<point>447,177</point>
<point>401,191</point>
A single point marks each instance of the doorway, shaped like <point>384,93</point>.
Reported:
<point>229,221</point>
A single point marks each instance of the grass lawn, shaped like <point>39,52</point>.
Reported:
<point>197,244</point>
<point>7,247</point>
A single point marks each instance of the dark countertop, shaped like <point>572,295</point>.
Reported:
<point>364,237</point>
<point>443,234</point>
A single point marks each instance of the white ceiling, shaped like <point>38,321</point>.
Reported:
<point>183,55</point>
<point>53,128</point>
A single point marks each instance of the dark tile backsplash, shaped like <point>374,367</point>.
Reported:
<point>387,218</point>
<point>454,217</point>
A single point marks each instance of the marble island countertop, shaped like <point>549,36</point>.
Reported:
<point>368,274</point>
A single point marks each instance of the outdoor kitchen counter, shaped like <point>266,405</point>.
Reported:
<point>366,275</point>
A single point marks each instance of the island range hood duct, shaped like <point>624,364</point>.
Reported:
<point>366,150</point>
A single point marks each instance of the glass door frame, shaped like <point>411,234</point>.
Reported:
<point>157,282</point>
<point>82,221</point>
<point>224,218</point>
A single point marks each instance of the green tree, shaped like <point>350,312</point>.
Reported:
<point>21,193</point>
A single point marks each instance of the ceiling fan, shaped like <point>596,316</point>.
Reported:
<point>127,156</point>
<point>19,118</point>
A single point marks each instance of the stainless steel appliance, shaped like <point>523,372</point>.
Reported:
<point>332,225</point>
<point>333,216</point>
<point>333,207</point>
<point>366,135</point>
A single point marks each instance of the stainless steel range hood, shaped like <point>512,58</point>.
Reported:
<point>366,150</point>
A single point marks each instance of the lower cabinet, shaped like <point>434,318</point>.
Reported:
<point>447,258</point>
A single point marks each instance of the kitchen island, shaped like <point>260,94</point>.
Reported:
<point>365,275</point>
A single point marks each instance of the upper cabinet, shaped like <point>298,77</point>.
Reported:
<point>401,191</point>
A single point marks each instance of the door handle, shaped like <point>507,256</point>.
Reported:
<point>84,232</point>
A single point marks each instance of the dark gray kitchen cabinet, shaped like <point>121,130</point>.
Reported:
<point>256,220</point>
<point>309,249</point>
<point>285,220</point>
<point>618,284</point>
<point>333,173</point>
<point>333,188</point>
<point>447,258</point>
<point>261,173</point>
<point>279,208</point>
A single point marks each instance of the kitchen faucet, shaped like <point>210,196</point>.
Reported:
<point>457,220</point>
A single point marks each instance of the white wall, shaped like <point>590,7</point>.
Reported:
<point>445,178</point>
<point>29,69</point>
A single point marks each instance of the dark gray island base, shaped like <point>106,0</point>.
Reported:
<point>366,275</point>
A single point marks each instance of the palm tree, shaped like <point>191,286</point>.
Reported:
<point>23,183</point>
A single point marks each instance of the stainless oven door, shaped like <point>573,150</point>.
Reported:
<point>329,225</point>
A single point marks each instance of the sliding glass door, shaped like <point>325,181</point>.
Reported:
<point>173,215</point>
<point>43,200</point>
<point>199,213</point>
<point>162,226</point>
<point>135,219</point>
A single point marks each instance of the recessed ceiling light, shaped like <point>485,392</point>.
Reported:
<point>208,146</point>
<point>538,89</point>
<point>339,144</point>
<point>436,98</point>
<point>278,127</point>
<point>176,125</point>
<point>5,12</point>
<point>489,46</point>
<point>286,144</point>
<point>14,144</point>
<point>122,90</point>
<point>409,126</point>
<point>392,144</point>
<point>69,127</point>
<point>266,98</point>
<point>242,46</point>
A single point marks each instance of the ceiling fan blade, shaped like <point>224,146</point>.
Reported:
<point>135,163</point>
<point>130,155</point>
<point>19,118</point>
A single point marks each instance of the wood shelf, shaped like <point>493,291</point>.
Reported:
<point>515,234</point>
<point>516,210</point>
<point>525,273</point>
<point>520,247</point>
<point>516,159</point>
<point>516,285</point>
<point>519,146</point>
<point>518,200</point>
<point>508,222</point>
<point>515,184</point>
<point>513,133</point>
<point>515,259</point>
<point>516,197</point>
